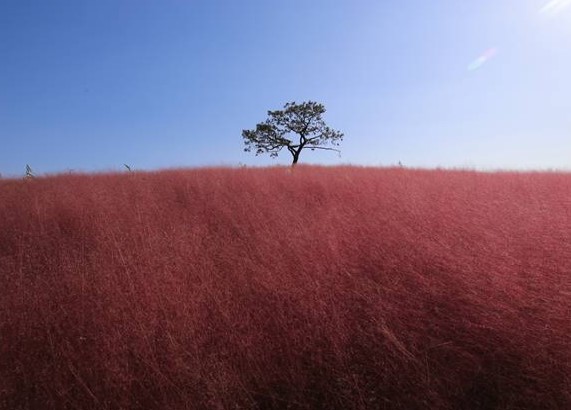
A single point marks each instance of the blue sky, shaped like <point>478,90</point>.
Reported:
<point>89,85</point>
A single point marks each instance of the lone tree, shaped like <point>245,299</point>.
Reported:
<point>278,131</point>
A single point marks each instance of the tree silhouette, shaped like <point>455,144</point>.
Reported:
<point>279,129</point>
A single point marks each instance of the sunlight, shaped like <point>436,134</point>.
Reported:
<point>554,7</point>
<point>483,59</point>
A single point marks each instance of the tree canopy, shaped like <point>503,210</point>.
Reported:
<point>302,122</point>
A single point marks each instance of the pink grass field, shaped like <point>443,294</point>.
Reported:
<point>262,288</point>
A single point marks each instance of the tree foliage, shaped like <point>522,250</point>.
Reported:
<point>302,122</point>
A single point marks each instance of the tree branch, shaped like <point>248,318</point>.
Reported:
<point>325,148</point>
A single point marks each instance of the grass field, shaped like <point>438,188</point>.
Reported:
<point>321,288</point>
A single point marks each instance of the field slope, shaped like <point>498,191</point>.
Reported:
<point>321,288</point>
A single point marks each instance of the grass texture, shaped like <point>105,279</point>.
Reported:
<point>317,288</point>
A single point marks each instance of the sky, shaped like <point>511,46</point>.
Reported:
<point>90,85</point>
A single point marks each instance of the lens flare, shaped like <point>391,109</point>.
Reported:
<point>483,59</point>
<point>555,7</point>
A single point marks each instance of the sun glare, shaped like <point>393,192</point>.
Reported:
<point>554,7</point>
<point>483,59</point>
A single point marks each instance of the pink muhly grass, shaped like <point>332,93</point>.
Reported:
<point>317,287</point>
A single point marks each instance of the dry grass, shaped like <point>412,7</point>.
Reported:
<point>333,288</point>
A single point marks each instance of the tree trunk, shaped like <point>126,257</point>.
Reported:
<point>295,157</point>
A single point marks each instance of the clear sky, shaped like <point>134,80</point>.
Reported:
<point>89,85</point>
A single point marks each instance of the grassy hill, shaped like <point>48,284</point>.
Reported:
<point>325,287</point>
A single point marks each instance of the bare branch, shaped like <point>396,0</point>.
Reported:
<point>325,148</point>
